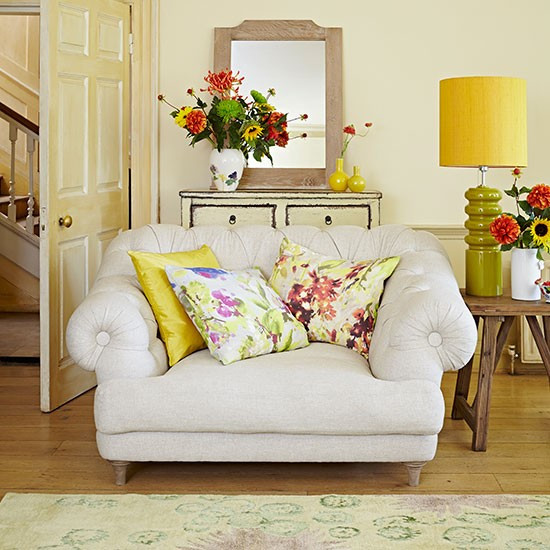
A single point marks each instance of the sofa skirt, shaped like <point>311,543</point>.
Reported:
<point>229,447</point>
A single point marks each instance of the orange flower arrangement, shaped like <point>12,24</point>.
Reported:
<point>530,227</point>
<point>251,125</point>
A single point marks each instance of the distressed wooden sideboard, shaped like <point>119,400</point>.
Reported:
<point>320,208</point>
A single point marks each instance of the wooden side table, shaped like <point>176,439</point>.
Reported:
<point>498,314</point>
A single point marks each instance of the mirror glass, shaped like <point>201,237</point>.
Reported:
<point>296,70</point>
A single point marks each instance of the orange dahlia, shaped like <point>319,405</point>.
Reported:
<point>539,197</point>
<point>196,121</point>
<point>505,229</point>
<point>273,119</point>
<point>282,139</point>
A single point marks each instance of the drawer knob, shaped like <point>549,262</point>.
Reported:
<point>232,219</point>
<point>328,220</point>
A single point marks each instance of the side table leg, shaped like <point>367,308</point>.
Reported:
<point>463,383</point>
<point>540,340</point>
<point>462,388</point>
<point>486,371</point>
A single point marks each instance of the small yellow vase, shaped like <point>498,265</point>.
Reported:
<point>338,180</point>
<point>357,182</point>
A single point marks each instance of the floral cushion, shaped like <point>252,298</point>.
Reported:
<point>236,312</point>
<point>336,300</point>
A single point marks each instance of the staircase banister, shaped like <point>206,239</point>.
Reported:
<point>26,125</point>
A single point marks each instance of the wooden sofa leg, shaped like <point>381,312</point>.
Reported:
<point>414,469</point>
<point>120,467</point>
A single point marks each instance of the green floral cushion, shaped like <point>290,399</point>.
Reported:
<point>236,312</point>
<point>336,300</point>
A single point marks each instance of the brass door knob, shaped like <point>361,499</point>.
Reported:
<point>66,221</point>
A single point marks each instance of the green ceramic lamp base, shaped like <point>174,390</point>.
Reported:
<point>483,257</point>
<point>483,273</point>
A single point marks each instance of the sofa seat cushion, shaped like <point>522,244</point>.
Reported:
<point>321,389</point>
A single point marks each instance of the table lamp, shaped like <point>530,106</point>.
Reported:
<point>482,124</point>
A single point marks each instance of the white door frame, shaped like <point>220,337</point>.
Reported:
<point>144,204</point>
<point>144,113</point>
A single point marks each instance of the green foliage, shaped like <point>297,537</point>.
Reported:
<point>199,137</point>
<point>258,97</point>
<point>526,207</point>
<point>522,221</point>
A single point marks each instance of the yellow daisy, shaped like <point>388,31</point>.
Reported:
<point>252,132</point>
<point>181,118</point>
<point>540,231</point>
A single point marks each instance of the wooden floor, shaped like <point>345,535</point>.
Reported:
<point>57,452</point>
<point>19,335</point>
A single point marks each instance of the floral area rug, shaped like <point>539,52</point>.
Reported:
<point>215,522</point>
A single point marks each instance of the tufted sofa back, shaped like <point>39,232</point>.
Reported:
<point>258,246</point>
<point>423,325</point>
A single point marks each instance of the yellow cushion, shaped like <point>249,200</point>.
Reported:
<point>176,329</point>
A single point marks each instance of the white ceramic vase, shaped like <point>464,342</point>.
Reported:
<point>226,167</point>
<point>526,270</point>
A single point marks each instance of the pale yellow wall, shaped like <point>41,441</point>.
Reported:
<point>395,53</point>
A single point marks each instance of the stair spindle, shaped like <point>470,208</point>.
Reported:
<point>29,222</point>
<point>12,208</point>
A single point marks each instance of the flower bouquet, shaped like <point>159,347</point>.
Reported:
<point>528,233</point>
<point>530,226</point>
<point>247,126</point>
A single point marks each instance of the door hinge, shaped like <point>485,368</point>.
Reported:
<point>131,43</point>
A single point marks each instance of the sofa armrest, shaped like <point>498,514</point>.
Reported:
<point>423,329</point>
<point>114,332</point>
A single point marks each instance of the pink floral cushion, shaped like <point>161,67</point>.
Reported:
<point>336,300</point>
<point>236,312</point>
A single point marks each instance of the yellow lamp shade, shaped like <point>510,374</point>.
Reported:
<point>483,121</point>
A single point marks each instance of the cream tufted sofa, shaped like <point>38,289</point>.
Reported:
<point>323,403</point>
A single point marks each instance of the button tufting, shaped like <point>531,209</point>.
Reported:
<point>102,338</point>
<point>435,339</point>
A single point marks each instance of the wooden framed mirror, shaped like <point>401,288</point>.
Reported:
<point>292,44</point>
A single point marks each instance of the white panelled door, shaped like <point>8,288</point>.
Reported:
<point>84,129</point>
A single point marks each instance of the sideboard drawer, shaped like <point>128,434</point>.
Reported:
<point>321,208</point>
<point>233,215</point>
<point>324,215</point>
